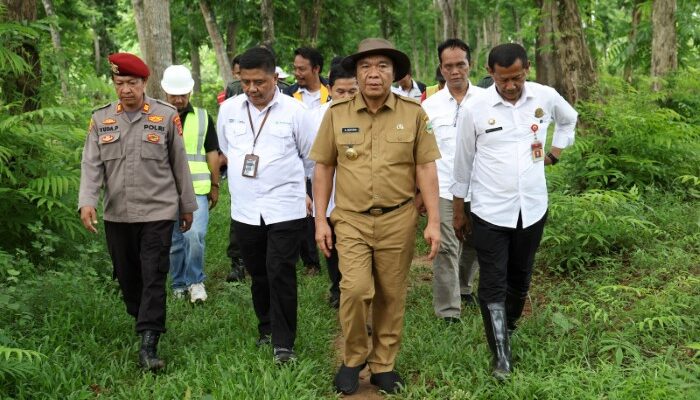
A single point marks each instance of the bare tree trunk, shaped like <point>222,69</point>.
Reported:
<point>664,52</point>
<point>574,71</point>
<point>155,40</point>
<point>449,26</point>
<point>465,22</point>
<point>414,49</point>
<point>384,19</point>
<point>492,29</point>
<point>196,66</point>
<point>632,39</point>
<point>518,27</point>
<point>544,48</point>
<point>56,41</point>
<point>96,46</point>
<point>315,22</point>
<point>231,43</point>
<point>268,22</point>
<point>216,40</point>
<point>24,87</point>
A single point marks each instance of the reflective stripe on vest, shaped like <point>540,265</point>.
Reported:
<point>324,94</point>
<point>193,135</point>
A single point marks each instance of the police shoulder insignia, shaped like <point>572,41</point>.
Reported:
<point>166,104</point>
<point>178,124</point>
<point>101,107</point>
<point>120,108</point>
<point>341,101</point>
<point>156,118</point>
<point>146,107</point>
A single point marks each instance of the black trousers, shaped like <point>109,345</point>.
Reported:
<point>308,251</point>
<point>141,259</point>
<point>332,262</point>
<point>506,257</point>
<point>234,249</point>
<point>270,253</point>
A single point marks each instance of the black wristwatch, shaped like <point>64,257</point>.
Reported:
<point>553,159</point>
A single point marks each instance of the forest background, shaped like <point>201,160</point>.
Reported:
<point>615,306</point>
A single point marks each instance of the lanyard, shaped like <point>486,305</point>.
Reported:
<point>252,129</point>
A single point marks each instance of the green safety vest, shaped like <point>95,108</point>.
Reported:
<point>193,135</point>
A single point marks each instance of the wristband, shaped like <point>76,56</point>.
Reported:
<point>553,159</point>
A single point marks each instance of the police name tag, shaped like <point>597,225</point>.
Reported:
<point>250,165</point>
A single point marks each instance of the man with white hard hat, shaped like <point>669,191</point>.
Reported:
<point>201,146</point>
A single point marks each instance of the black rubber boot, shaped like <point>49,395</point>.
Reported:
<point>495,326</point>
<point>237,273</point>
<point>148,359</point>
<point>515,302</point>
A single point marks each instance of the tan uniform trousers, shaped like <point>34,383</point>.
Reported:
<point>375,254</point>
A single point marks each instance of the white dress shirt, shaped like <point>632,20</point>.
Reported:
<point>443,110</point>
<point>278,192</point>
<point>310,99</point>
<point>494,155</point>
<point>311,123</point>
<point>413,93</point>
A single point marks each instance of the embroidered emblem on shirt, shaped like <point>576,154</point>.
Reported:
<point>107,138</point>
<point>178,124</point>
<point>399,126</point>
<point>146,107</point>
<point>429,127</point>
<point>350,130</point>
<point>153,138</point>
<point>109,121</point>
<point>539,112</point>
<point>120,108</point>
<point>156,118</point>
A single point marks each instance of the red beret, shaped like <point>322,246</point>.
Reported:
<point>127,64</point>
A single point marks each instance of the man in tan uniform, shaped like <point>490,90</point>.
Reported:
<point>381,150</point>
<point>134,150</point>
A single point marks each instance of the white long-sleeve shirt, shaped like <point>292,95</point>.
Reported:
<point>494,154</point>
<point>443,110</point>
<point>311,122</point>
<point>278,192</point>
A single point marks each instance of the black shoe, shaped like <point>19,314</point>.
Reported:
<point>495,326</point>
<point>468,300</point>
<point>334,300</point>
<point>283,355</point>
<point>263,340</point>
<point>148,359</point>
<point>237,273</point>
<point>452,320</point>
<point>389,382</point>
<point>347,380</point>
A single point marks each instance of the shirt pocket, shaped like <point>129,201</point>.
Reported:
<point>153,146</point>
<point>237,136</point>
<point>399,144</point>
<point>281,138</point>
<point>110,146</point>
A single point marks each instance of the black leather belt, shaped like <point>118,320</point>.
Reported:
<point>383,210</point>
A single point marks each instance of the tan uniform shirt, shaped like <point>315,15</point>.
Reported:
<point>389,145</point>
<point>141,164</point>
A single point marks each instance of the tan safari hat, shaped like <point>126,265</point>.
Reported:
<point>378,46</point>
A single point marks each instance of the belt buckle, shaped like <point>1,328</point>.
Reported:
<point>375,211</point>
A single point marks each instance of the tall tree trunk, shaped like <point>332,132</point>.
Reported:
<point>574,71</point>
<point>384,19</point>
<point>465,22</point>
<point>216,40</point>
<point>544,48</point>
<point>632,39</point>
<point>268,22</point>
<point>517,26</point>
<point>155,40</point>
<point>231,43</point>
<point>24,87</point>
<point>56,41</point>
<point>196,66</point>
<point>449,25</point>
<point>96,47</point>
<point>414,48</point>
<point>664,52</point>
<point>315,22</point>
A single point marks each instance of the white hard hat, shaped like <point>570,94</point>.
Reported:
<point>280,73</point>
<point>177,80</point>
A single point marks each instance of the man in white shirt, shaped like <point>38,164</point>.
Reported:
<point>309,88</point>
<point>500,156</point>
<point>342,84</point>
<point>443,108</point>
<point>408,87</point>
<point>259,134</point>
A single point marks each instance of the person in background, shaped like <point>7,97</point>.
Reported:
<point>201,145</point>
<point>431,90</point>
<point>134,150</point>
<point>410,88</point>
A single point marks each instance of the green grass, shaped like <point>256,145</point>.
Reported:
<point>625,329</point>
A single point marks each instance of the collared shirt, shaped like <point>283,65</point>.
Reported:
<point>311,122</point>
<point>278,192</point>
<point>310,99</point>
<point>388,144</point>
<point>494,154</point>
<point>443,111</point>
<point>412,93</point>
<point>141,164</point>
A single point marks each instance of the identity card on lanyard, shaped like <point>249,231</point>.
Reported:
<point>536,146</point>
<point>251,161</point>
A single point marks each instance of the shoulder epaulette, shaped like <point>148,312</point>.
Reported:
<point>341,101</point>
<point>166,104</point>
<point>94,110</point>
<point>408,99</point>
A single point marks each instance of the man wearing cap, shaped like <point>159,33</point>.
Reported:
<point>259,133</point>
<point>201,145</point>
<point>134,150</point>
<point>381,150</point>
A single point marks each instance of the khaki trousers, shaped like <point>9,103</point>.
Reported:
<point>375,254</point>
<point>446,273</point>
